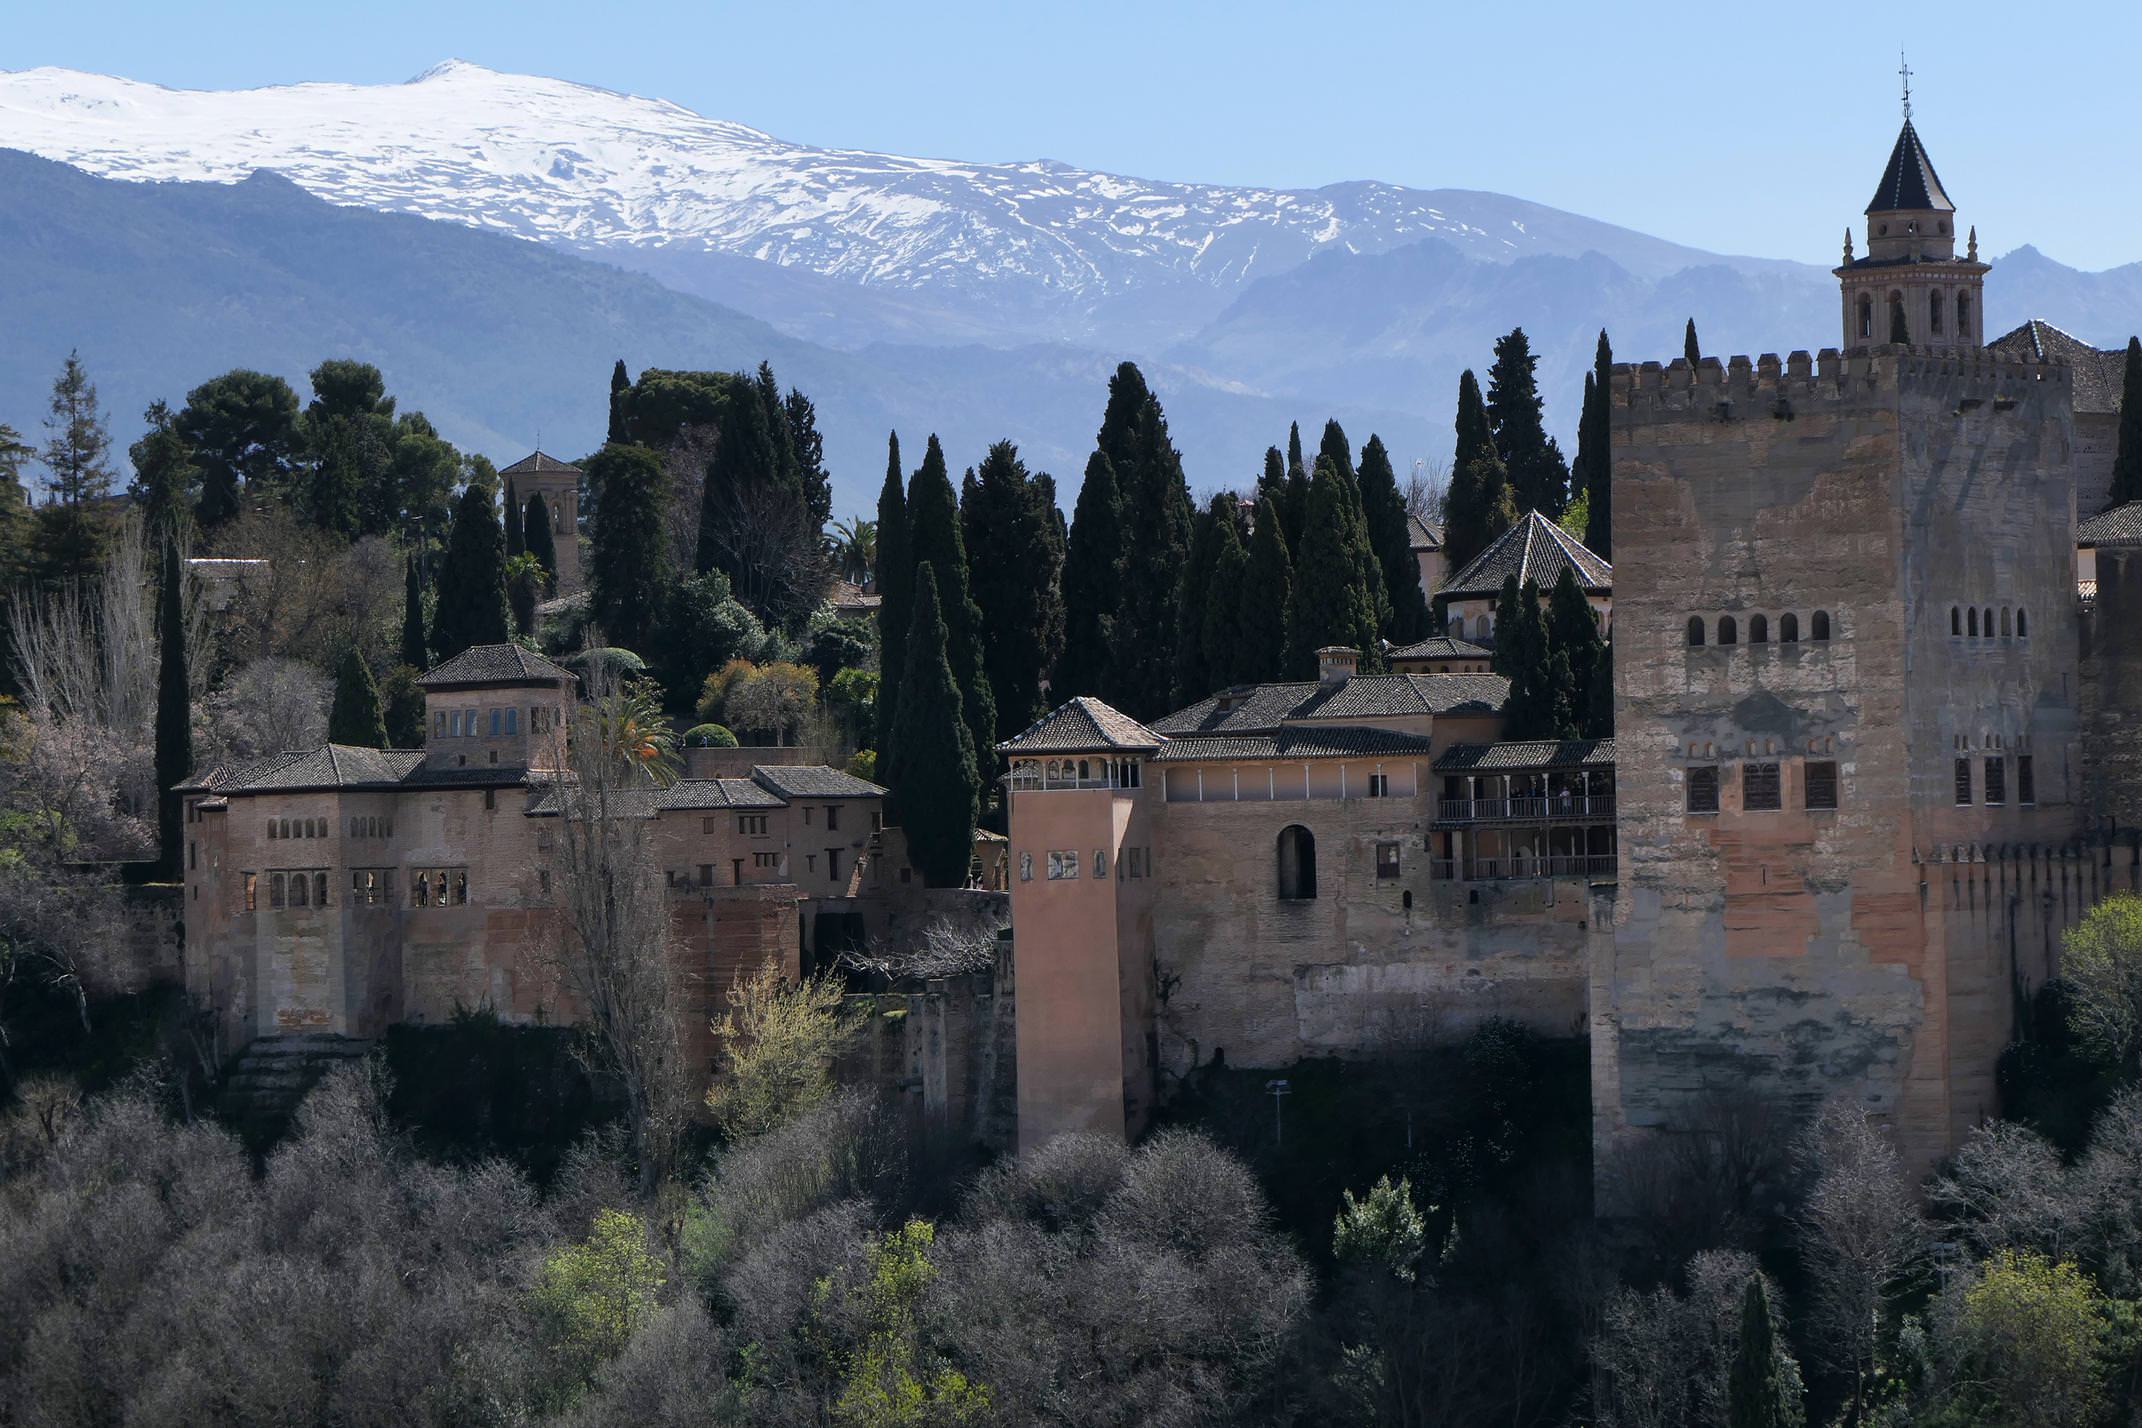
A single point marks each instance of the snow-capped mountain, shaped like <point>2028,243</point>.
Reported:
<point>1054,247</point>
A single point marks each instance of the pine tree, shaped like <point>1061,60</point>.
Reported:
<point>166,481</point>
<point>414,641</point>
<point>1260,652</point>
<point>1594,474</point>
<point>1689,349</point>
<point>1093,571</point>
<point>356,718</point>
<point>347,486</point>
<point>72,525</point>
<point>1755,1394</point>
<point>15,518</point>
<point>800,414</point>
<point>1193,665</point>
<point>1573,633</point>
<point>1016,559</point>
<point>174,710</point>
<point>935,539</point>
<point>1391,537</point>
<point>1331,606</point>
<point>628,566</point>
<point>1477,509</point>
<point>1539,479</point>
<point>620,395</point>
<point>471,606</point>
<point>538,541</point>
<point>894,578</point>
<point>1221,633</point>
<point>2127,462</point>
<point>243,428</point>
<point>516,541</point>
<point>934,775</point>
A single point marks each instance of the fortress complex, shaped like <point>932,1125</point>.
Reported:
<point>1872,755</point>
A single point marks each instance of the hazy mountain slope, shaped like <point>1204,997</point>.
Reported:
<point>1038,248</point>
<point>163,285</point>
<point>2103,309</point>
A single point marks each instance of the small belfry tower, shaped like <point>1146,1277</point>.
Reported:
<point>1911,288</point>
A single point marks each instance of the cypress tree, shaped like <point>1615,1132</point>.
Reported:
<point>471,605</point>
<point>1476,433</point>
<point>516,543</point>
<point>895,581</point>
<point>1689,349</point>
<point>1260,651</point>
<point>1477,509</point>
<point>413,639</point>
<point>1157,498</point>
<point>1595,454</point>
<point>1093,570</point>
<point>536,537</point>
<point>744,463</point>
<point>800,416</point>
<point>1221,634</point>
<point>620,395</point>
<point>1331,606</point>
<point>356,717</point>
<point>934,774</point>
<point>1539,478</point>
<point>1598,715</point>
<point>934,539</point>
<point>1537,706</point>
<point>1294,510</point>
<point>1369,569</point>
<point>1016,555</point>
<point>174,712</point>
<point>2127,462</point>
<point>1391,537</point>
<point>1193,663</point>
<point>1272,481</point>
<point>629,578</point>
<point>1574,634</point>
<point>1755,1393</point>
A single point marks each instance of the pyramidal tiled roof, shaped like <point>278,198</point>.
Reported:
<point>1910,183</point>
<point>2122,525</point>
<point>495,664</point>
<point>1085,725</point>
<point>1421,535</point>
<point>2099,377</point>
<point>1438,647</point>
<point>536,463</point>
<point>1534,549</point>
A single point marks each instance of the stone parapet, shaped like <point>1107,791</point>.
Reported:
<point>1741,386</point>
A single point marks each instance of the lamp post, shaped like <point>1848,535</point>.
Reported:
<point>1276,1088</point>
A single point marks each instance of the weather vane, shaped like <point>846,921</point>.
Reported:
<point>1904,71</point>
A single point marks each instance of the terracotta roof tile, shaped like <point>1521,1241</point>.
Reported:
<point>813,781</point>
<point>495,664</point>
<point>1085,725</point>
<point>1536,754</point>
<point>1440,647</point>
<point>537,462</point>
<point>1534,549</point>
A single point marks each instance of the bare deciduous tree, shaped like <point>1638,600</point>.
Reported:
<point>941,949</point>
<point>1861,1239</point>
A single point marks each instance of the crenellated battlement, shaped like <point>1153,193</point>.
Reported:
<point>1767,385</point>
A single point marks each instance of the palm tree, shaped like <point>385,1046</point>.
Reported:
<point>855,549</point>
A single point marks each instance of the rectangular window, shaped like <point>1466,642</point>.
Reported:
<point>250,882</point>
<point>1379,786</point>
<point>1963,781</point>
<point>513,721</point>
<point>193,855</point>
<point>806,815</point>
<point>1062,864</point>
<point>877,821</point>
<point>274,830</point>
<point>543,881</point>
<point>494,723</point>
<point>1703,789</point>
<point>438,723</point>
<point>2026,784</point>
<point>1821,785</point>
<point>490,799</point>
<point>706,875</point>
<point>753,824</point>
<point>1996,779</point>
<point>832,862</point>
<point>1759,788</point>
<point>706,826</point>
<point>1386,859</point>
<point>453,724</point>
<point>766,860</point>
<point>832,817</point>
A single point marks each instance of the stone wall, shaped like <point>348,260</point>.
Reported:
<point>2112,691</point>
<point>946,1055</point>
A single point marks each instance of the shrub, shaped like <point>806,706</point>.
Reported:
<point>709,736</point>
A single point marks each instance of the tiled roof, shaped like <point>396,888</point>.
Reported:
<point>688,793</point>
<point>495,664</point>
<point>1422,535</point>
<point>1262,708</point>
<point>536,462</point>
<point>1909,182</point>
<point>813,781</point>
<point>1538,754</point>
<point>2122,525</point>
<point>1439,647</point>
<point>329,766</point>
<point>2098,376</point>
<point>1534,549</point>
<point>1085,725</point>
<point>1294,742</point>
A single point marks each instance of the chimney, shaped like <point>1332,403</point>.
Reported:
<point>1335,664</point>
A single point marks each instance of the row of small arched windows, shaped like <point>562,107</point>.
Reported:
<point>1974,625</point>
<point>1933,314</point>
<point>1818,629</point>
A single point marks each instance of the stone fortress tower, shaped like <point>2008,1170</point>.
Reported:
<point>1846,709</point>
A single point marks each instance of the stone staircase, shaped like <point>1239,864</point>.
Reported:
<point>272,1074</point>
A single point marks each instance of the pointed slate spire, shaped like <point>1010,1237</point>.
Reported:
<point>1910,184</point>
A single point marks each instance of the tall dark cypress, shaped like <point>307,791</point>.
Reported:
<point>356,717</point>
<point>174,712</point>
<point>620,394</point>
<point>894,578</point>
<point>745,463</point>
<point>1294,511</point>
<point>934,775</point>
<point>413,637</point>
<point>1093,570</point>
<point>1158,518</point>
<point>1267,595</point>
<point>1476,433</point>
<point>471,606</point>
<point>800,414</point>
<point>629,579</point>
<point>1539,478</point>
<point>935,539</point>
<point>1335,449</point>
<point>539,541</point>
<point>1689,349</point>
<point>1391,537</point>
<point>2127,460</point>
<point>1574,633</point>
<point>1015,556</point>
<point>1221,633</point>
<point>1756,1394</point>
<point>1193,666</point>
<point>1272,481</point>
<point>1331,605</point>
<point>516,542</point>
<point>1477,509</point>
<point>1537,706</point>
<point>1595,453</point>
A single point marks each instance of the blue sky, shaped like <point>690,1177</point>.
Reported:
<point>1732,127</point>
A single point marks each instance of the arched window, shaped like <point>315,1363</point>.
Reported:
<point>2004,620</point>
<point>1974,622</point>
<point>1933,310</point>
<point>1695,630</point>
<point>1758,629</point>
<point>1482,627</point>
<point>1963,315</point>
<point>1788,629</point>
<point>1728,632</point>
<point>1955,620</point>
<point>1819,627</point>
<point>1899,332</point>
<point>1988,626</point>
<point>1297,863</point>
<point>300,886</point>
<point>1866,317</point>
<point>2022,626</point>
